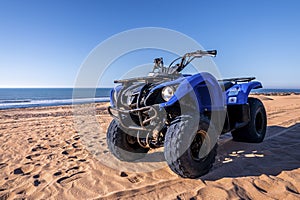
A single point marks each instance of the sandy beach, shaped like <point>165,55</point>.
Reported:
<point>59,153</point>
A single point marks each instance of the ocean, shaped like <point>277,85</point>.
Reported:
<point>276,91</point>
<point>36,97</point>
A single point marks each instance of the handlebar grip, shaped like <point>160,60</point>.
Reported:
<point>201,53</point>
<point>212,52</point>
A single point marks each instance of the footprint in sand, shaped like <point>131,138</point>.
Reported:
<point>53,145</point>
<point>2,165</point>
<point>24,170</point>
<point>123,174</point>
<point>22,192</point>
<point>68,151</point>
<point>36,176</point>
<point>46,138</point>
<point>57,173</point>
<point>38,147</point>
<point>72,169</point>
<point>135,179</point>
<point>72,157</point>
<point>52,156</point>
<point>71,178</point>
<point>76,137</point>
<point>30,140</point>
<point>30,157</point>
<point>68,141</point>
<point>36,183</point>
<point>75,145</point>
<point>18,171</point>
<point>27,169</point>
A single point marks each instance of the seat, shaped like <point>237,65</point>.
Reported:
<point>225,85</point>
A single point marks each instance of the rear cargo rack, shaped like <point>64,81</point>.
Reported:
<point>236,80</point>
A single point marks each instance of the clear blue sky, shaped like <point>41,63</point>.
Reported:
<point>43,43</point>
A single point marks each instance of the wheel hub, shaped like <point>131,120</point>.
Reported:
<point>197,144</point>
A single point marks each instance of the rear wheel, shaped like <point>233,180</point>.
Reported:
<point>122,145</point>
<point>255,131</point>
<point>187,152</point>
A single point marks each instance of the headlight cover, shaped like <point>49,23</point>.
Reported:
<point>167,92</point>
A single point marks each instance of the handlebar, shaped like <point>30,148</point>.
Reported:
<point>201,53</point>
<point>185,60</point>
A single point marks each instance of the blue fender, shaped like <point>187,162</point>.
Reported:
<point>112,98</point>
<point>203,88</point>
<point>238,94</point>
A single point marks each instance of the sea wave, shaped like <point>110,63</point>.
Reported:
<point>15,101</point>
<point>9,104</point>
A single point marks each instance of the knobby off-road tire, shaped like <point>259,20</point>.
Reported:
<point>123,146</point>
<point>181,144</point>
<point>255,131</point>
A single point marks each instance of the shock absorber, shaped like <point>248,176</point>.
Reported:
<point>143,142</point>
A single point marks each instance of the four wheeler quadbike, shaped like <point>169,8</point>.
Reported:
<point>183,113</point>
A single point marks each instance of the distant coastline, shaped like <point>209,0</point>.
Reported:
<point>276,92</point>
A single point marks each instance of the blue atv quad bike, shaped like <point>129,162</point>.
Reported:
<point>183,113</point>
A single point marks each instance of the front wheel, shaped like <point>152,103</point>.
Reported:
<point>255,130</point>
<point>122,145</point>
<point>189,150</point>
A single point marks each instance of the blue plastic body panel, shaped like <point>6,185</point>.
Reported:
<point>238,94</point>
<point>202,88</point>
<point>112,94</point>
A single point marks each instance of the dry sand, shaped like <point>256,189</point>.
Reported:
<point>52,153</point>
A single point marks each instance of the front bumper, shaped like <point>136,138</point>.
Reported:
<point>124,117</point>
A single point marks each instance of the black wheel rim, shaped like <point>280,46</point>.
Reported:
<point>259,122</point>
<point>197,144</point>
<point>131,139</point>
